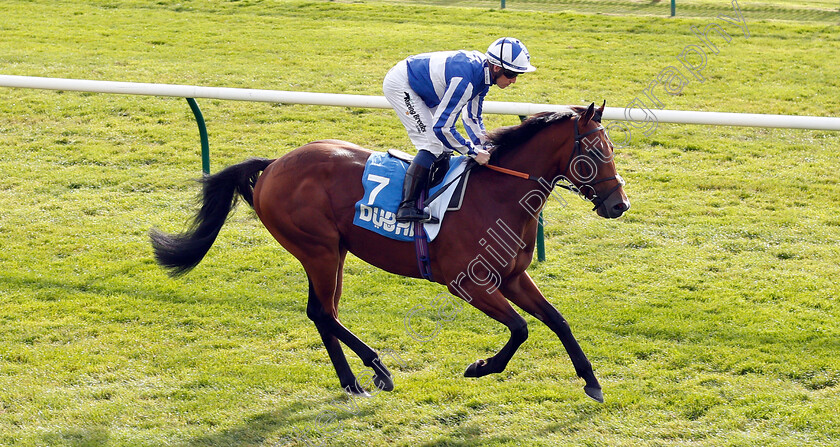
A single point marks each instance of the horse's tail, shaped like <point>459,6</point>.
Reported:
<point>179,253</point>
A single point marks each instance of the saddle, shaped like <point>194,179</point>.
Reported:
<point>437,173</point>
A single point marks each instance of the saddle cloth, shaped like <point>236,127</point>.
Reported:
<point>383,182</point>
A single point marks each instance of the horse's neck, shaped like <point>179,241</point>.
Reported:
<point>544,158</point>
<point>545,155</point>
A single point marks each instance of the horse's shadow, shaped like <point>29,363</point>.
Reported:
<point>295,424</point>
<point>290,427</point>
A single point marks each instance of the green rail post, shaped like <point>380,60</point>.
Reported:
<point>541,239</point>
<point>673,8</point>
<point>202,131</point>
<point>503,4</point>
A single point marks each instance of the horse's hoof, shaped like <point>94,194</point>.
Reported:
<point>357,393</point>
<point>473,370</point>
<point>594,393</point>
<point>384,383</point>
<point>381,376</point>
<point>356,390</point>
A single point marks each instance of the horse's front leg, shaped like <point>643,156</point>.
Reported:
<point>522,291</point>
<point>496,307</point>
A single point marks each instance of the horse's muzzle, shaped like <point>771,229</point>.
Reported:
<point>614,206</point>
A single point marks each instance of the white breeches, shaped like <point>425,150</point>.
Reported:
<point>412,111</point>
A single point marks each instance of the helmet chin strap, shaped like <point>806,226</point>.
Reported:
<point>502,54</point>
<point>501,61</point>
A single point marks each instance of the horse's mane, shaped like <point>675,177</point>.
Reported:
<point>507,138</point>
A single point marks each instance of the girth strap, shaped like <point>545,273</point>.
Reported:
<point>421,246</point>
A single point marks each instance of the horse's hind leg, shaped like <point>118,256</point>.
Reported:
<point>315,312</point>
<point>324,293</point>
<point>524,293</point>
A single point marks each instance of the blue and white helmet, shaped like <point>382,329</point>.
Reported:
<point>510,54</point>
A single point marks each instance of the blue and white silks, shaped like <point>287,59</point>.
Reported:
<point>383,181</point>
<point>449,82</point>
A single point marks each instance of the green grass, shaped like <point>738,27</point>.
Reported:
<point>807,10</point>
<point>709,310</point>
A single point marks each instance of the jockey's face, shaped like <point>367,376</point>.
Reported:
<point>502,77</point>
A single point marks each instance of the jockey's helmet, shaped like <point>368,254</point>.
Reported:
<point>510,54</point>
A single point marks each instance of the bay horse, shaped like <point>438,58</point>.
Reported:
<point>306,201</point>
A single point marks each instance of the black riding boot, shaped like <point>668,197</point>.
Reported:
<point>416,179</point>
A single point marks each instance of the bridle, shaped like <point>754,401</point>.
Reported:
<point>577,152</point>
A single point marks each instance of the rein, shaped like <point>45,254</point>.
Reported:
<point>570,187</point>
<point>524,176</point>
<point>507,171</point>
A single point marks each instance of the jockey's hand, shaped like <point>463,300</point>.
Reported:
<point>481,156</point>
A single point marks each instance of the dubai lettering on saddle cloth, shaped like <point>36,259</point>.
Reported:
<point>383,181</point>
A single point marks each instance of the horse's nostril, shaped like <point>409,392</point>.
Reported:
<point>622,207</point>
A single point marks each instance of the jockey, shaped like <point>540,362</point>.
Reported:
<point>429,91</point>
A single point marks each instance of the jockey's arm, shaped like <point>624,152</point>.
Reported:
<point>474,125</point>
<point>473,121</point>
<point>457,95</point>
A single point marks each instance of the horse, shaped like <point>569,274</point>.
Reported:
<point>306,199</point>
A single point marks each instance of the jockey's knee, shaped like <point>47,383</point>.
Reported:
<point>425,158</point>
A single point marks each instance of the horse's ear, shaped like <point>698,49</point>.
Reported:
<point>601,109</point>
<point>588,114</point>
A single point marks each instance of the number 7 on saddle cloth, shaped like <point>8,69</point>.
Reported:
<point>383,181</point>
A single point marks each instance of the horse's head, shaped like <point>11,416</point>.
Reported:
<point>591,169</point>
<point>584,161</point>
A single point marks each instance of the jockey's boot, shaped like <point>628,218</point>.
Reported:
<point>416,179</point>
